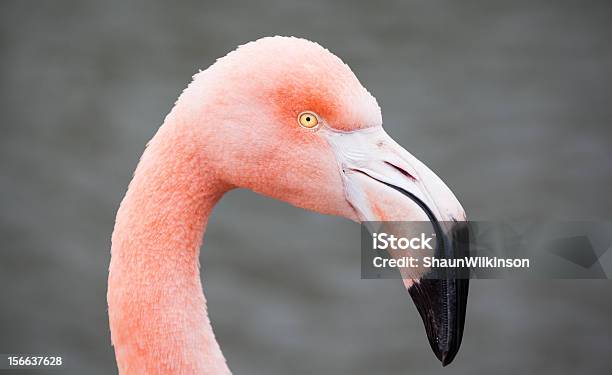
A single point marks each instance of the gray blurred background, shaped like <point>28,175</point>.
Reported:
<point>510,102</point>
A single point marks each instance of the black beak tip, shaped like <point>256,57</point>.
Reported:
<point>447,357</point>
<point>445,354</point>
<point>441,297</point>
<point>442,305</point>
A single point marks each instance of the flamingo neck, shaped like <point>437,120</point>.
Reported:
<point>157,310</point>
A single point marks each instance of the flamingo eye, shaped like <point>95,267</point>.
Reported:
<point>308,120</point>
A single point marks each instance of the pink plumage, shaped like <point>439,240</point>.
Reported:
<point>234,126</point>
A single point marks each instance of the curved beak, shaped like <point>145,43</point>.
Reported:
<point>385,183</point>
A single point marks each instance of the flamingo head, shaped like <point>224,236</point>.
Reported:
<point>286,118</point>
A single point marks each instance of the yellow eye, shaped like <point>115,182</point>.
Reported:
<point>308,120</point>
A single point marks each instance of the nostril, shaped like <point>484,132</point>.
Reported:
<point>402,171</point>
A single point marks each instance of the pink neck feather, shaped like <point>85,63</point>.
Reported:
<point>158,317</point>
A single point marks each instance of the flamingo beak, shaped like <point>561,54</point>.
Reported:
<point>385,183</point>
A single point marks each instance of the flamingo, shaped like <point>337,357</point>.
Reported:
<point>286,118</point>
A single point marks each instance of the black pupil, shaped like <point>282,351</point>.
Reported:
<point>308,119</point>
